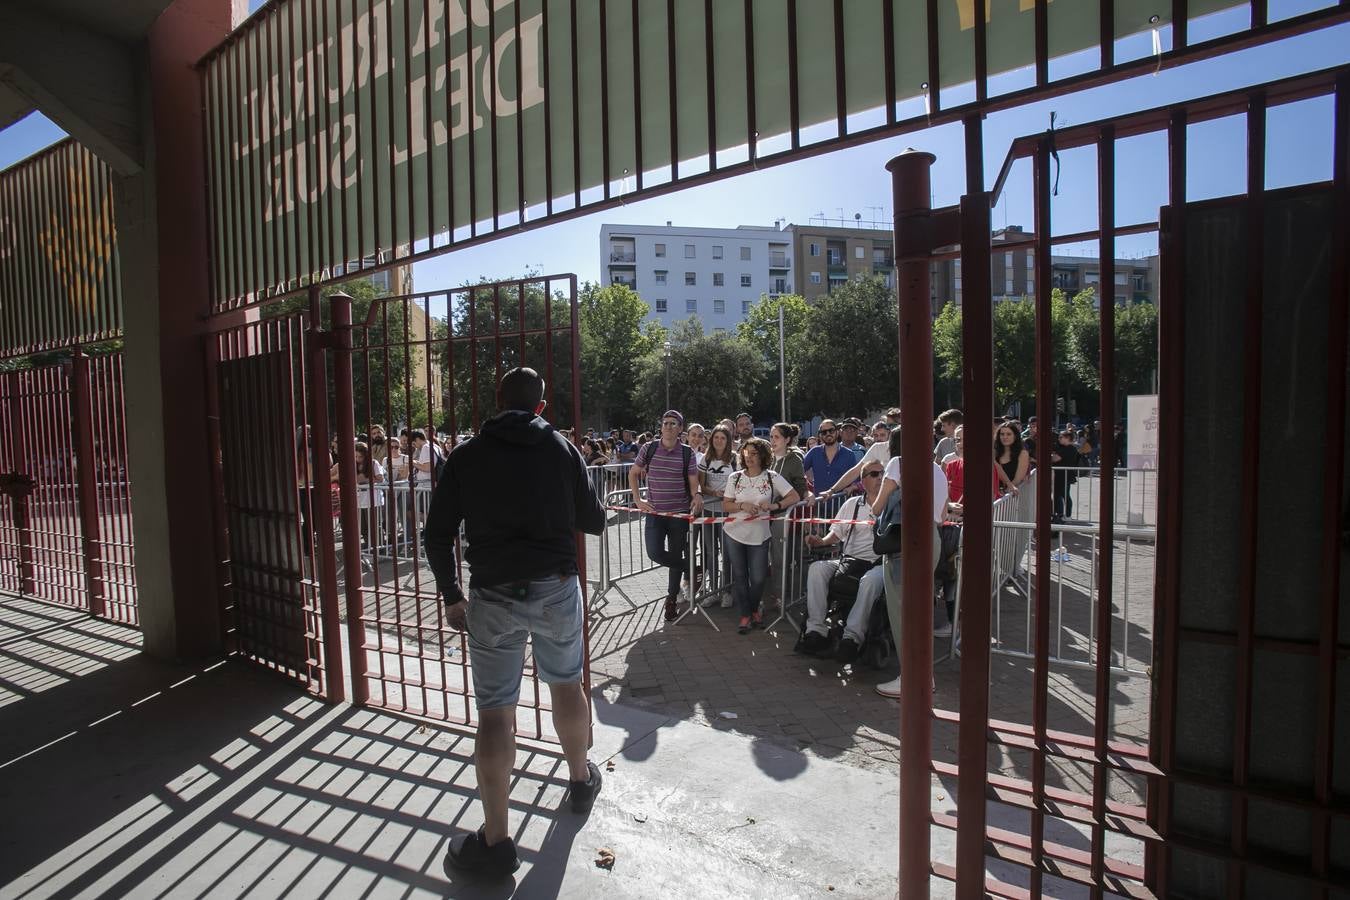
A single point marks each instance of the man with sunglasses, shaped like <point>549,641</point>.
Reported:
<point>852,527</point>
<point>671,471</point>
<point>827,462</point>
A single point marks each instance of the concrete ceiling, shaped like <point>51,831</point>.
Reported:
<point>73,59</point>
<point>123,20</point>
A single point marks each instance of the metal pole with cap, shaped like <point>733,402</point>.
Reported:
<point>910,182</point>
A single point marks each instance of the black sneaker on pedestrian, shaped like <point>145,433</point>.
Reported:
<point>471,853</point>
<point>814,644</point>
<point>583,792</point>
<point>848,651</point>
<point>672,609</point>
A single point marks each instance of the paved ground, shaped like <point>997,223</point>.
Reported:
<point>138,778</point>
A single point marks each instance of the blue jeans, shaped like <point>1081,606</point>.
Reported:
<point>660,533</point>
<point>499,621</point>
<point>749,573</point>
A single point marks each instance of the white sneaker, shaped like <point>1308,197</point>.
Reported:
<point>727,600</point>
<point>890,689</point>
<point>709,601</point>
<point>943,630</point>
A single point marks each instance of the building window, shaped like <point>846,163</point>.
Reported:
<point>745,281</point>
<point>717,279</point>
<point>745,307</point>
<point>745,253</point>
<point>815,278</point>
<point>719,331</point>
<point>1007,260</point>
<point>661,251</point>
<point>814,249</point>
<point>719,306</point>
<point>690,279</point>
<point>717,251</point>
<point>660,276</point>
<point>660,306</point>
<point>691,306</point>
<point>688,251</point>
<point>835,258</point>
<point>858,253</point>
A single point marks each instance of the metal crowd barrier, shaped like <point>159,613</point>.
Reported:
<point>1074,604</point>
<point>623,551</point>
<point>790,557</point>
<point>1136,495</point>
<point>608,478</point>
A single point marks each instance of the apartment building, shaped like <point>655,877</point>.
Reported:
<point>1013,273</point>
<point>713,273</point>
<point>828,257</point>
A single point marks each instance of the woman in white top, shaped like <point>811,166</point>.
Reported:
<point>751,495</point>
<point>716,466</point>
<point>369,473</point>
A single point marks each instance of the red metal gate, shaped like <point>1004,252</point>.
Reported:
<point>65,512</point>
<point>275,533</point>
<point>1253,299</point>
<point>430,363</point>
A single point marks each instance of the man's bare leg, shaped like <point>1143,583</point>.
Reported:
<point>572,721</point>
<point>494,757</point>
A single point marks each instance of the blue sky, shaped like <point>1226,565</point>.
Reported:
<point>854,181</point>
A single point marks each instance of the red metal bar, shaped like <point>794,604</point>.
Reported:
<point>911,192</point>
<point>1338,320</point>
<point>794,85</point>
<point>321,521</point>
<point>1106,223</point>
<point>86,481</point>
<point>344,405</point>
<point>1171,442</point>
<point>492,112</point>
<point>1045,410</point>
<point>21,504</point>
<point>1250,477</point>
<point>840,74</point>
<point>751,127</point>
<point>977,538</point>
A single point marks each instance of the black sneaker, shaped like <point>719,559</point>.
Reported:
<point>848,651</point>
<point>471,853</point>
<point>814,644</point>
<point>672,608</point>
<point>583,792</point>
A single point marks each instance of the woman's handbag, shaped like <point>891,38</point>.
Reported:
<point>886,531</point>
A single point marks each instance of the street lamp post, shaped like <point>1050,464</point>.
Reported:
<point>666,352</point>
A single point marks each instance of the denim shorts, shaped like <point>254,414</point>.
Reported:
<point>499,622</point>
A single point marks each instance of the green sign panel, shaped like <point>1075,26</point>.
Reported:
<point>348,130</point>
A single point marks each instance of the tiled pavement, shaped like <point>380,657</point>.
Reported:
<point>756,684</point>
<point>691,671</point>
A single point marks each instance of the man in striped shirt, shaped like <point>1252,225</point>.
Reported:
<point>672,487</point>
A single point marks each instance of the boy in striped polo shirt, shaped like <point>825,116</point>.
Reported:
<point>672,487</point>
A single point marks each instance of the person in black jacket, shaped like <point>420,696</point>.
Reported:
<point>522,492</point>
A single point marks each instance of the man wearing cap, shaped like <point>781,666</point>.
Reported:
<point>848,437</point>
<point>671,471</point>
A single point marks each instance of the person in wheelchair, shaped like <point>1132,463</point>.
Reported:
<point>856,574</point>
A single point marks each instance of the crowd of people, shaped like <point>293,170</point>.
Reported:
<point>727,476</point>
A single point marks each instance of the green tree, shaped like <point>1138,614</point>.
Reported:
<point>1136,330</point>
<point>613,341</point>
<point>711,376</point>
<point>759,329</point>
<point>1014,334</point>
<point>849,362</point>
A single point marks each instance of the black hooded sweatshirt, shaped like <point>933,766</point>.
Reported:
<point>522,492</point>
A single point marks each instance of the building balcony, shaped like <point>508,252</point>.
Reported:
<point>779,261</point>
<point>886,263</point>
<point>626,282</point>
<point>628,258</point>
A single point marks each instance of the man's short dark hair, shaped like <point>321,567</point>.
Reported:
<point>745,415</point>
<point>954,416</point>
<point>417,435</point>
<point>522,389</point>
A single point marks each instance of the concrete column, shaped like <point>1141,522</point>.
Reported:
<point>163,239</point>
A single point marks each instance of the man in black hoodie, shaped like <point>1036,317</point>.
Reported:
<point>522,492</point>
